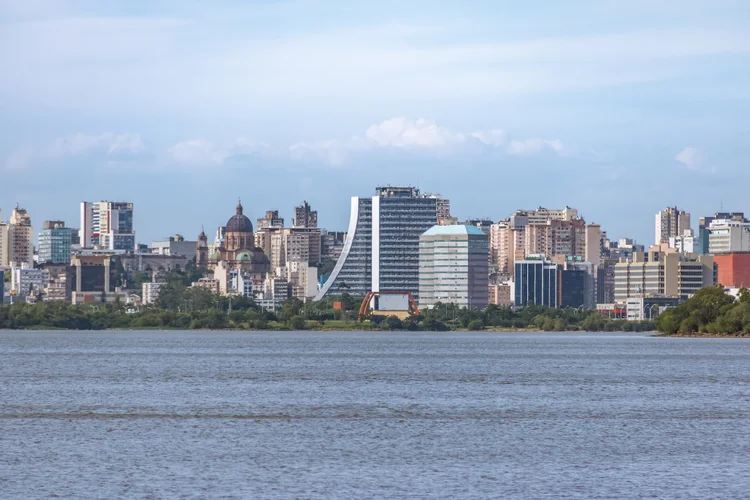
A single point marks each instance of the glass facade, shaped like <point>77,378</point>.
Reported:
<point>55,245</point>
<point>536,283</point>
<point>382,249</point>
<point>573,285</point>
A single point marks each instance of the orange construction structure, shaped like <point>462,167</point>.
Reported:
<point>365,310</point>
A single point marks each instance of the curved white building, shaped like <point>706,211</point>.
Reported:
<point>381,252</point>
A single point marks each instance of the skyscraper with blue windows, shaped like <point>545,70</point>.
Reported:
<point>381,252</point>
<point>55,242</point>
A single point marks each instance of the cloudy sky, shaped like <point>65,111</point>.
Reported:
<point>618,108</point>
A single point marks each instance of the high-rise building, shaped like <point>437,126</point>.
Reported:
<point>733,269</point>
<point>537,282</point>
<point>500,247</point>
<point>289,244</point>
<point>381,252</point>
<point>17,240</point>
<point>271,219</point>
<point>727,236</point>
<point>705,222</point>
<point>443,207</point>
<point>671,274</point>
<point>107,225</point>
<point>593,244</point>
<point>453,266</point>
<point>305,217</point>
<point>670,222</point>
<point>55,243</point>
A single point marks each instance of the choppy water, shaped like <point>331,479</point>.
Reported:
<point>317,415</point>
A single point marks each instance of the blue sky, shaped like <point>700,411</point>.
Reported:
<point>618,108</point>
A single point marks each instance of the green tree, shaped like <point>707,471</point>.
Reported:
<point>475,325</point>
<point>297,322</point>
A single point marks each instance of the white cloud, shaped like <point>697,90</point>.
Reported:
<point>330,151</point>
<point>528,147</point>
<point>424,135</point>
<point>495,138</point>
<point>204,152</point>
<point>107,145</point>
<point>690,157</point>
<point>402,132</point>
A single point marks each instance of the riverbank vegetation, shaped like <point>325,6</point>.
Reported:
<point>197,308</point>
<point>709,312</point>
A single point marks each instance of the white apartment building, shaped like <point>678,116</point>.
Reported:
<point>150,292</point>
<point>107,224</point>
<point>686,242</point>
<point>728,236</point>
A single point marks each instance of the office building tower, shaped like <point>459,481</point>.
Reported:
<point>670,274</point>
<point>107,225</point>
<point>705,222</point>
<point>670,222</point>
<point>453,266</point>
<point>727,236</point>
<point>537,282</point>
<point>305,217</point>
<point>55,243</point>
<point>271,219</point>
<point>381,252</point>
<point>500,247</point>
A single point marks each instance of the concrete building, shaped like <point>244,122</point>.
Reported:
<point>304,216</point>
<point>282,245</point>
<point>55,243</point>
<point>501,247</point>
<point>150,292</point>
<point>686,242</point>
<point>302,279</point>
<point>17,240</point>
<point>670,222</point>
<point>453,266</point>
<point>705,222</point>
<point>382,248</point>
<point>271,219</point>
<point>648,308</point>
<point>174,245</point>
<point>663,274</point>
<point>107,225</point>
<point>728,236</point>
<point>90,280</point>
<point>331,245</point>
<point>537,282</point>
<point>443,207</point>
<point>26,281</point>
<point>501,294</point>
<point>593,244</point>
<point>533,232</point>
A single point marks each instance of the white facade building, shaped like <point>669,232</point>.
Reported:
<point>453,266</point>
<point>150,292</point>
<point>687,242</point>
<point>728,236</point>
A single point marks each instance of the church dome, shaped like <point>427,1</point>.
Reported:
<point>239,223</point>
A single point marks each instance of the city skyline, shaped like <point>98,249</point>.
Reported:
<point>620,112</point>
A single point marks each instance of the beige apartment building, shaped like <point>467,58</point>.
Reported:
<point>283,245</point>
<point>17,240</point>
<point>669,274</point>
<point>670,222</point>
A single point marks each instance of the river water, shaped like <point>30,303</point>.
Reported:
<point>372,415</point>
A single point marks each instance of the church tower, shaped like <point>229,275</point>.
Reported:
<point>201,254</point>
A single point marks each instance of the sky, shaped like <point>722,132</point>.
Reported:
<point>617,108</point>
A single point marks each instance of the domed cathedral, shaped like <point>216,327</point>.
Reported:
<point>236,250</point>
